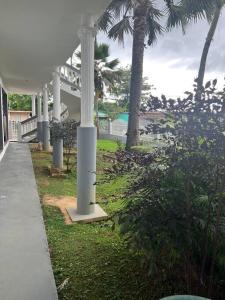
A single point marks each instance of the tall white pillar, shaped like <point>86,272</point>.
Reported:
<point>109,126</point>
<point>57,144</point>
<point>33,98</point>
<point>45,123</point>
<point>39,117</point>
<point>86,135</point>
<point>1,121</point>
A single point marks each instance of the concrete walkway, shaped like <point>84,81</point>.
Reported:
<point>25,267</point>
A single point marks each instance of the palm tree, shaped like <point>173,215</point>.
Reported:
<point>140,18</point>
<point>187,11</point>
<point>106,73</point>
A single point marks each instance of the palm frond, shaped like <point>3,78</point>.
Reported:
<point>117,10</point>
<point>105,21</point>
<point>187,11</point>
<point>153,30</point>
<point>118,31</point>
<point>176,16</point>
<point>120,8</point>
<point>153,26</point>
<point>113,63</point>
<point>110,77</point>
<point>101,51</point>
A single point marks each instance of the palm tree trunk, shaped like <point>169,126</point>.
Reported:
<point>205,52</point>
<point>136,74</point>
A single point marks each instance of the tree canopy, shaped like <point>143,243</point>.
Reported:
<point>20,102</point>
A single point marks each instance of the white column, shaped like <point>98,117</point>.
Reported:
<point>1,121</point>
<point>56,95</point>
<point>57,144</point>
<point>87,135</point>
<point>45,103</point>
<point>109,126</point>
<point>45,123</point>
<point>87,34</point>
<point>33,97</point>
<point>39,117</point>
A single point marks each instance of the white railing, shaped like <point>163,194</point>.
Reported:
<point>29,126</point>
<point>71,75</point>
<point>13,130</point>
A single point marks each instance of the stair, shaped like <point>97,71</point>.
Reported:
<point>27,130</point>
<point>70,107</point>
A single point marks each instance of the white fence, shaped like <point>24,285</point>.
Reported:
<point>13,130</point>
<point>117,130</point>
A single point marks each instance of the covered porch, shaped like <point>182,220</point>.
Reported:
<point>37,41</point>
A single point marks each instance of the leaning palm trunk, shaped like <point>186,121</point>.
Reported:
<point>205,52</point>
<point>136,74</point>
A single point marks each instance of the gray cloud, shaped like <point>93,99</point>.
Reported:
<point>181,50</point>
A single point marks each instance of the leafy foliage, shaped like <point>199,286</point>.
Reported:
<point>106,71</point>
<point>121,89</point>
<point>106,74</point>
<point>118,19</point>
<point>111,109</point>
<point>175,211</point>
<point>20,102</point>
<point>67,131</point>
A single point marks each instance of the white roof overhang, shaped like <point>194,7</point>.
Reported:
<point>36,36</point>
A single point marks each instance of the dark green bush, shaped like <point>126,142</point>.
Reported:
<point>67,131</point>
<point>175,211</point>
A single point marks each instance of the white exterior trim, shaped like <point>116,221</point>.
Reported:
<point>87,36</point>
<point>56,95</point>
<point>45,103</point>
<point>39,107</point>
<point>33,99</point>
<point>3,86</point>
<point>4,150</point>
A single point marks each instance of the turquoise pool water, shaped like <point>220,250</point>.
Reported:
<point>123,117</point>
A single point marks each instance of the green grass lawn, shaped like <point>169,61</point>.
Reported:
<point>92,258</point>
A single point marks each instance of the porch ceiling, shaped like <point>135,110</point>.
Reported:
<point>36,35</point>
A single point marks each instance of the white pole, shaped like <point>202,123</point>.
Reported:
<point>45,123</point>
<point>33,105</point>
<point>56,95</point>
<point>39,117</point>
<point>87,72</point>
<point>109,126</point>
<point>45,103</point>
<point>57,144</point>
<point>87,135</point>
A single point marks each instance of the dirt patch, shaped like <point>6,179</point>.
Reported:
<point>45,182</point>
<point>62,203</point>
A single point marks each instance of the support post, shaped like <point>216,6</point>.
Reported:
<point>87,135</point>
<point>1,121</point>
<point>57,144</point>
<point>33,99</point>
<point>109,126</point>
<point>45,123</point>
<point>87,210</point>
<point>39,117</point>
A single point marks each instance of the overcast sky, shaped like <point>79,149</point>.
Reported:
<point>172,63</point>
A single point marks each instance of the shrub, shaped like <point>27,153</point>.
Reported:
<point>175,211</point>
<point>67,131</point>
